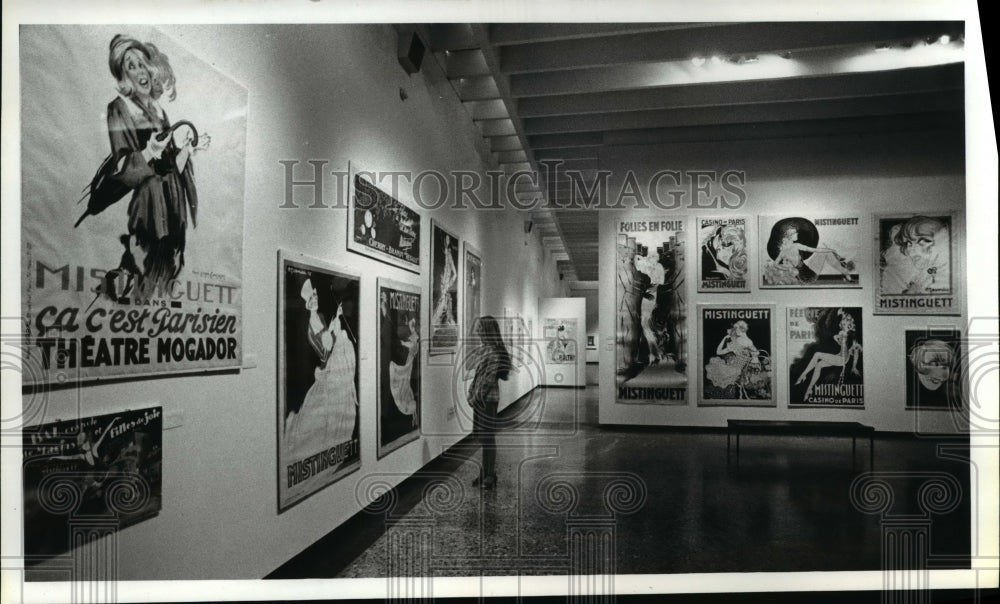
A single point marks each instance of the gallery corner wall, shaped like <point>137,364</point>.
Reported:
<point>857,175</point>
<point>332,94</point>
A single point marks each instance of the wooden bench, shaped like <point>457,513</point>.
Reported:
<point>801,428</point>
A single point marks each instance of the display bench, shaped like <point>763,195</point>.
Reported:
<point>801,428</point>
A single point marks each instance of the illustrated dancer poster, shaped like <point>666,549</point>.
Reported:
<point>444,291</point>
<point>560,341</point>
<point>650,328</point>
<point>825,357</point>
<point>798,252</point>
<point>919,272</point>
<point>107,467</point>
<point>473,286</point>
<point>736,345</point>
<point>318,441</point>
<point>131,265</point>
<point>381,227</point>
<point>933,369</point>
<point>723,262</point>
<point>399,365</point>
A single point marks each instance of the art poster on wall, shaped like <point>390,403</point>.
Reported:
<point>444,328</point>
<point>131,266</point>
<point>380,226</point>
<point>723,264</point>
<point>736,345</point>
<point>106,467</point>
<point>318,382</point>
<point>798,252</point>
<point>473,287</point>
<point>398,365</point>
<point>650,330</point>
<point>825,355</point>
<point>919,271</point>
<point>560,341</point>
<point>934,369</point>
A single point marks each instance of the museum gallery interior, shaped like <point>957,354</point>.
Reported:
<point>264,269</point>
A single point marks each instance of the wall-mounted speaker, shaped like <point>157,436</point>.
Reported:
<point>410,51</point>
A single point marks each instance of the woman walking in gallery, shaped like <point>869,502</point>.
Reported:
<point>488,363</point>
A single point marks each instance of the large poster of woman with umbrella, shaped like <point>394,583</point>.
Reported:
<point>132,204</point>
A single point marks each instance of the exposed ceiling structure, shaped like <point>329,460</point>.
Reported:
<point>566,92</point>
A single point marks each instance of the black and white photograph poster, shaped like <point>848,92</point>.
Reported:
<point>380,226</point>
<point>560,341</point>
<point>651,350</point>
<point>934,375</point>
<point>135,264</point>
<point>398,365</point>
<point>723,262</point>
<point>473,294</point>
<point>797,252</point>
<point>105,468</point>
<point>736,346</point>
<point>318,421</point>
<point>826,357</point>
<point>918,268</point>
<point>444,328</point>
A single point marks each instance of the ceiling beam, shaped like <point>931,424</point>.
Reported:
<point>922,79</point>
<point>721,39</point>
<point>761,112</point>
<point>503,34</point>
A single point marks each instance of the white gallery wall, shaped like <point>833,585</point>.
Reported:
<point>316,92</point>
<point>847,175</point>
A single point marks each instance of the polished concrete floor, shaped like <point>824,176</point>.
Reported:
<point>575,498</point>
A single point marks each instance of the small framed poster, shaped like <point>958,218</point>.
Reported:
<point>933,369</point>
<point>473,277</point>
<point>723,262</point>
<point>380,226</point>
<point>106,467</point>
<point>444,328</point>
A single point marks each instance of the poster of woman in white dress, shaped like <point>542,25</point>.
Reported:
<point>318,440</point>
<point>399,365</point>
<point>651,342</point>
<point>917,258</point>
